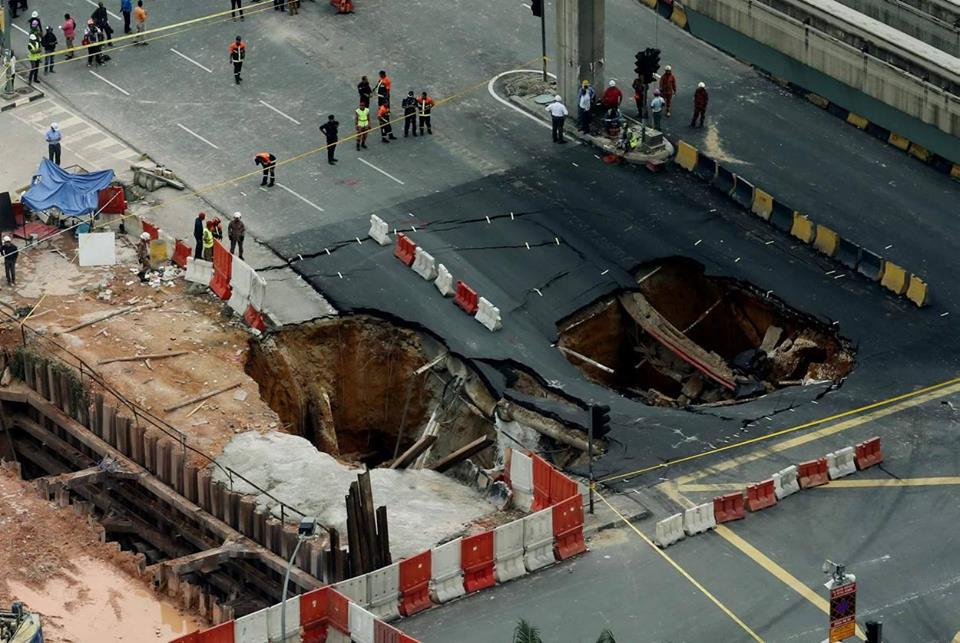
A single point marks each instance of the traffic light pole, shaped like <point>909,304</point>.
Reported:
<point>590,460</point>
<point>543,42</point>
<point>7,52</point>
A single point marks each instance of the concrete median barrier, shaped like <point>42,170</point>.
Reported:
<point>446,580</point>
<point>383,592</point>
<point>848,253</point>
<point>444,281</point>
<point>488,315</point>
<point>706,169</point>
<point>686,156</point>
<point>826,240</point>
<point>803,228</point>
<point>424,264</point>
<point>538,540</point>
<point>762,204</point>
<point>917,291</point>
<point>379,231</point>
<point>508,551</point>
<point>724,180</point>
<point>894,278</point>
<point>742,192</point>
<point>871,265</point>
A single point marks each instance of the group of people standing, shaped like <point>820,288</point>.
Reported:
<point>206,232</point>
<point>414,108</point>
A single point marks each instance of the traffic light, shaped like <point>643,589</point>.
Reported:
<point>653,63</point>
<point>600,420</point>
<point>536,6</point>
<point>638,67</point>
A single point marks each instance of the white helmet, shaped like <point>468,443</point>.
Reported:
<point>34,15</point>
<point>558,98</point>
<point>701,85</point>
<point>33,37</point>
<point>145,236</point>
<point>668,68</point>
<point>237,215</point>
<point>6,238</point>
<point>54,126</point>
<point>612,83</point>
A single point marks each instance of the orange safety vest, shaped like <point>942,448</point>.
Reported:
<point>383,113</point>
<point>265,158</point>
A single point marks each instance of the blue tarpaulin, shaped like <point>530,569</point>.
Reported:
<point>73,194</point>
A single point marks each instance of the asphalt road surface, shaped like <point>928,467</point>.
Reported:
<point>588,225</point>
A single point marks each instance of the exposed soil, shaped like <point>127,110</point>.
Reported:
<point>764,342</point>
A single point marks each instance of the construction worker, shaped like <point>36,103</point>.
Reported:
<point>386,129</point>
<point>236,231</point>
<point>424,107</point>
<point>363,88</point>
<point>143,255</point>
<point>126,8</point>
<point>585,99</point>
<point>36,27</point>
<point>53,138</point>
<point>656,108</point>
<point>208,241</point>
<point>140,18</point>
<point>235,5</point>
<point>612,96</point>
<point>268,162</point>
<point>700,100</point>
<point>409,105</point>
<point>361,122</point>
<point>91,40</point>
<point>238,53</point>
<point>217,229</point>
<point>343,6</point>
<point>10,254</point>
<point>279,5</point>
<point>330,132</point>
<point>198,226</point>
<point>383,88</point>
<point>640,97</point>
<point>558,114</point>
<point>34,55</point>
<point>49,43</point>
<point>668,87</point>
<point>293,7</point>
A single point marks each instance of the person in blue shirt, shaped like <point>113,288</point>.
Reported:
<point>126,8</point>
<point>54,137</point>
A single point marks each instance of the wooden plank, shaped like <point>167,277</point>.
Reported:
<point>463,453</point>
<point>353,531</point>
<point>116,313</point>
<point>208,560</point>
<point>40,457</point>
<point>51,441</point>
<point>383,536</point>
<point>200,398</point>
<point>137,358</point>
<point>369,526</point>
<point>413,452</point>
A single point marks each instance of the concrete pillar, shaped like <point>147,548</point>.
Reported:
<point>580,48</point>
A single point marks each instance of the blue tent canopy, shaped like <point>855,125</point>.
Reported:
<point>73,194</point>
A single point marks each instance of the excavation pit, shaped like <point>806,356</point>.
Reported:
<point>685,338</point>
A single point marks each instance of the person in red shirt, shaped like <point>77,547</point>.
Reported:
<point>612,97</point>
<point>668,86</point>
<point>700,99</point>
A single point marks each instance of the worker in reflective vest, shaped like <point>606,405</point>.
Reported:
<point>386,129</point>
<point>34,55</point>
<point>424,107</point>
<point>268,161</point>
<point>362,123</point>
<point>238,53</point>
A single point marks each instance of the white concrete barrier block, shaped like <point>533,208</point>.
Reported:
<point>424,264</point>
<point>355,589</point>
<point>361,624</point>
<point>383,592</point>
<point>336,636</point>
<point>841,463</point>
<point>241,276</point>
<point>258,292</point>
<point>699,519</point>
<point>488,315</point>
<point>446,574</point>
<point>199,271</point>
<point>252,628</point>
<point>508,551</point>
<point>444,281</point>
<point>538,540</point>
<point>785,482</point>
<point>669,531</point>
<point>521,479</point>
<point>379,231</point>
<point>274,618</point>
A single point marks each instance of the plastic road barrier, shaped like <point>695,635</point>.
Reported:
<point>424,264</point>
<point>415,575</point>
<point>762,204</point>
<point>181,252</point>
<point>538,540</point>
<point>728,507</point>
<point>813,473</point>
<point>355,589</point>
<point>871,266</point>
<point>508,551</point>
<point>699,519</point>
<point>841,463</point>
<point>803,228</point>
<point>669,531</point>
<point>252,628</point>
<point>542,477</point>
<point>868,453</point>
<point>488,315</point>
<point>444,281</point>
<point>361,624</point>
<point>199,271</point>
<point>785,482</point>
<point>292,635</point>
<point>446,577</point>
<point>826,240</point>
<point>894,278</point>
<point>383,592</point>
<point>466,298</point>
<point>379,231</point>
<point>568,528</point>
<point>917,291</point>
<point>521,479</point>
<point>405,249</point>
<point>686,156</point>
<point>222,267</point>
<point>476,559</point>
<point>761,495</point>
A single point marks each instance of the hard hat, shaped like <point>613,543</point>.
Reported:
<point>668,68</point>
<point>6,238</point>
<point>202,215</point>
<point>236,215</point>
<point>145,236</point>
<point>585,83</point>
<point>34,15</point>
<point>558,98</point>
<point>54,126</point>
<point>33,36</point>
<point>612,83</point>
<point>656,92</point>
<point>89,21</point>
<point>701,85</point>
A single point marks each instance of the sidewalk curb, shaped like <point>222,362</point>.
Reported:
<point>35,95</point>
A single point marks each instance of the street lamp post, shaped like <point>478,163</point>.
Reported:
<point>306,530</point>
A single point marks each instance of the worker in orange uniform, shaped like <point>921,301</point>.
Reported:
<point>238,53</point>
<point>342,6</point>
<point>383,88</point>
<point>386,129</point>
<point>424,107</point>
<point>668,87</point>
<point>268,162</point>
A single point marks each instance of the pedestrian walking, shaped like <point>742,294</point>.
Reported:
<point>54,137</point>
<point>668,87</point>
<point>126,8</point>
<point>386,129</point>
<point>198,227</point>
<point>700,100</point>
<point>424,108</point>
<point>656,108</point>
<point>10,253</point>
<point>140,18</point>
<point>69,29</point>
<point>363,88</point>
<point>236,231</point>
<point>102,20</point>
<point>329,130</point>
<point>558,114</point>
<point>361,121</point>
<point>143,256</point>
<point>235,6</point>
<point>49,42</point>
<point>640,97</point>
<point>409,105</point>
<point>268,162</point>
<point>208,241</point>
<point>238,53</point>
<point>585,99</point>
<point>34,55</point>
<point>383,88</point>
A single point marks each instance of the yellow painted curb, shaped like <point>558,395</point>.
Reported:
<point>857,121</point>
<point>917,291</point>
<point>679,16</point>
<point>893,277</point>
<point>818,100</point>
<point>920,152</point>
<point>686,156</point>
<point>826,240</point>
<point>762,204</point>
<point>898,141</point>
<point>955,171</point>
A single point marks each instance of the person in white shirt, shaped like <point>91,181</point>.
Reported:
<point>656,107</point>
<point>585,100</point>
<point>559,114</point>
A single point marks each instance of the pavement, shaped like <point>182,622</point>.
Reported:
<point>542,230</point>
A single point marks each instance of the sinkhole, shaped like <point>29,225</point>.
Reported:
<point>685,338</point>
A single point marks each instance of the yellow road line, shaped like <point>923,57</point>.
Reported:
<point>942,481</point>
<point>683,572</point>
<point>907,400</point>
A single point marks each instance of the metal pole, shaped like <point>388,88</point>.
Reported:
<point>543,39</point>
<point>7,51</point>
<point>590,459</point>
<point>286,581</point>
